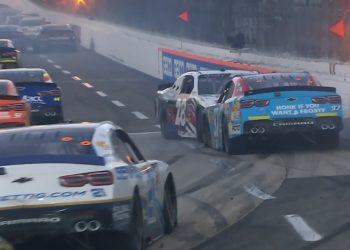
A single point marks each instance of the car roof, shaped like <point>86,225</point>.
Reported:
<point>5,40</point>
<point>56,27</point>
<point>223,71</point>
<point>24,70</point>
<point>59,127</point>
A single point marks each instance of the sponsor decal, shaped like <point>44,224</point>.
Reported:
<point>296,123</point>
<point>103,145</point>
<point>300,109</point>
<point>30,221</point>
<point>98,192</point>
<point>33,99</point>
<point>123,173</point>
<point>121,212</point>
<point>5,115</point>
<point>236,129</point>
<point>41,196</point>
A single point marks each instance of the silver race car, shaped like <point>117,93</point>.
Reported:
<point>88,181</point>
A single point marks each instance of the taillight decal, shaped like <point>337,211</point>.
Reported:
<point>256,103</point>
<point>327,99</point>
<point>100,178</point>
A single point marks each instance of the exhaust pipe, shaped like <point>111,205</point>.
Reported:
<point>332,126</point>
<point>94,225</point>
<point>324,127</point>
<point>254,130</point>
<point>80,226</point>
<point>261,130</point>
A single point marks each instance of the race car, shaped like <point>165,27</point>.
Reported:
<point>261,106</point>
<point>85,181</point>
<point>12,32</point>
<point>9,55</point>
<point>179,106</point>
<point>14,112</point>
<point>54,36</point>
<point>36,86</point>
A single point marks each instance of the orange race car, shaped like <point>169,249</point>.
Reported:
<point>14,112</point>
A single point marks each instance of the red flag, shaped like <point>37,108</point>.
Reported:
<point>338,28</point>
<point>184,16</point>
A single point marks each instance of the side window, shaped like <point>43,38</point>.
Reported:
<point>225,92</point>
<point>178,84</point>
<point>124,149</point>
<point>188,85</point>
<point>230,92</point>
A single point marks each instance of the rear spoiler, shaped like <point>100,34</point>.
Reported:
<point>40,159</point>
<point>290,88</point>
<point>5,49</point>
<point>10,97</point>
<point>36,84</point>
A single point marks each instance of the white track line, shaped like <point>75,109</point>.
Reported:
<point>118,103</point>
<point>42,56</point>
<point>157,126</point>
<point>77,78</point>
<point>253,190</point>
<point>139,115</point>
<point>57,66</point>
<point>302,228</point>
<point>88,85</point>
<point>66,72</point>
<point>50,61</point>
<point>100,93</point>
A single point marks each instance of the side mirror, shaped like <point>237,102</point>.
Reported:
<point>164,86</point>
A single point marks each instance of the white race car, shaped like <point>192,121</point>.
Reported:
<point>88,181</point>
<point>179,106</point>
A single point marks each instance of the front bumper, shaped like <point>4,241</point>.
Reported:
<point>27,223</point>
<point>285,126</point>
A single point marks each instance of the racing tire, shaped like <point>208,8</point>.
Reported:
<point>169,206</point>
<point>206,133</point>
<point>328,140</point>
<point>167,130</point>
<point>199,119</point>
<point>237,145</point>
<point>135,238</point>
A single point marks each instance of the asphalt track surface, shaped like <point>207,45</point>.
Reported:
<point>308,211</point>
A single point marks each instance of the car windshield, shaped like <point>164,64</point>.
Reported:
<point>25,76</point>
<point>31,22</point>
<point>47,142</point>
<point>3,88</point>
<point>209,84</point>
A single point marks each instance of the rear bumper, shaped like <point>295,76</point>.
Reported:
<point>46,115</point>
<point>285,126</point>
<point>12,124</point>
<point>27,223</point>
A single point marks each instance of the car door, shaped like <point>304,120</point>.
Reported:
<point>168,110</point>
<point>143,174</point>
<point>184,109</point>
<point>218,115</point>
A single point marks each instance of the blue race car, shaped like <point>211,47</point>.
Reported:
<point>36,87</point>
<point>260,106</point>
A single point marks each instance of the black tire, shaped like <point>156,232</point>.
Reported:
<point>135,238</point>
<point>206,133</point>
<point>199,124</point>
<point>167,130</point>
<point>170,206</point>
<point>237,145</point>
<point>328,140</point>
